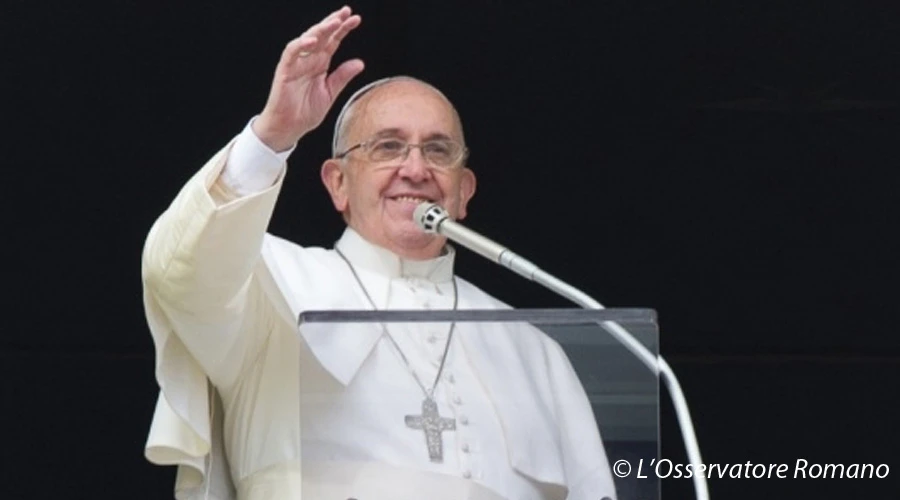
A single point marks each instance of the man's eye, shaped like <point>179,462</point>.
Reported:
<point>438,148</point>
<point>390,145</point>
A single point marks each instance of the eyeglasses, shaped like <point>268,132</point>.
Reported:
<point>441,153</point>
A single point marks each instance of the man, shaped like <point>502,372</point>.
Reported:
<point>333,414</point>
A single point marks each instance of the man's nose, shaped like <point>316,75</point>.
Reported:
<point>414,165</point>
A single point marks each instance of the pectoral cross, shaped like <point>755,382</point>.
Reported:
<point>433,424</point>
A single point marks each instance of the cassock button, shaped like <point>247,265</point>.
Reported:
<point>451,378</point>
<point>465,448</point>
<point>467,475</point>
<point>457,400</point>
<point>464,420</point>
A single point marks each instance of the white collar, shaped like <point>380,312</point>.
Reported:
<point>366,255</point>
<point>342,348</point>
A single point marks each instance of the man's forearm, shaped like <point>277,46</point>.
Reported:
<point>202,250</point>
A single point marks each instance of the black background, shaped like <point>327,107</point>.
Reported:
<point>730,164</point>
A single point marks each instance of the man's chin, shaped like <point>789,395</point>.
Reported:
<point>410,239</point>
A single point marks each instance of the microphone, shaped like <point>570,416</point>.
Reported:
<point>432,218</point>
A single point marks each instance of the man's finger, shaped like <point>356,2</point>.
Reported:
<point>347,26</point>
<point>342,14</point>
<point>341,76</point>
<point>312,40</point>
<point>298,46</point>
<point>324,26</point>
<point>323,30</point>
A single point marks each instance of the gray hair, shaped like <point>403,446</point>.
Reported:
<point>345,116</point>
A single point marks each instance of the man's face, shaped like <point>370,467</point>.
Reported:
<point>378,198</point>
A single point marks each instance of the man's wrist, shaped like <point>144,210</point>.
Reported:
<point>252,164</point>
<point>277,142</point>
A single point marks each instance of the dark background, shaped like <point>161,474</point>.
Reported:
<point>730,164</point>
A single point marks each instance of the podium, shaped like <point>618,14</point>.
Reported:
<point>623,392</point>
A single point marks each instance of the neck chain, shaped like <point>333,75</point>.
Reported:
<point>428,394</point>
<point>430,421</point>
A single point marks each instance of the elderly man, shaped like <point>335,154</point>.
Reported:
<point>252,408</point>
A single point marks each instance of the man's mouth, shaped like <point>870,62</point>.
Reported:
<point>411,199</point>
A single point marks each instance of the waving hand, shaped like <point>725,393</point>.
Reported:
<point>302,90</point>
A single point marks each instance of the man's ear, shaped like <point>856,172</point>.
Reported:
<point>335,182</point>
<point>466,191</point>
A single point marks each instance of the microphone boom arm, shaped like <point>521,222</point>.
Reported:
<point>432,218</point>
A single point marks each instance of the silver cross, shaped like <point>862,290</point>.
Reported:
<point>433,424</point>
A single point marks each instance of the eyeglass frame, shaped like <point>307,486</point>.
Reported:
<point>464,151</point>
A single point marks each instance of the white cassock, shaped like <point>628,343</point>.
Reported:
<point>320,413</point>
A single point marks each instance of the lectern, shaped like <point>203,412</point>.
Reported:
<point>623,392</point>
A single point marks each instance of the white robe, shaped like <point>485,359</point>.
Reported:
<point>223,317</point>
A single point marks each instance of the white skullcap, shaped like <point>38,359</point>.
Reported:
<point>359,93</point>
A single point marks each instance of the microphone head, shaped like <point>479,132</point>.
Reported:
<point>429,216</point>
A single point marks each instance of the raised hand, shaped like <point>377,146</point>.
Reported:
<point>302,90</point>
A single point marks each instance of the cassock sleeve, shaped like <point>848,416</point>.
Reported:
<point>205,314</point>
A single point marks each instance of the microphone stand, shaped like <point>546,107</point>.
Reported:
<point>656,364</point>
<point>431,218</point>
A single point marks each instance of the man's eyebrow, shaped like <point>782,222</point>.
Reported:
<point>388,132</point>
<point>438,135</point>
<point>396,132</point>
